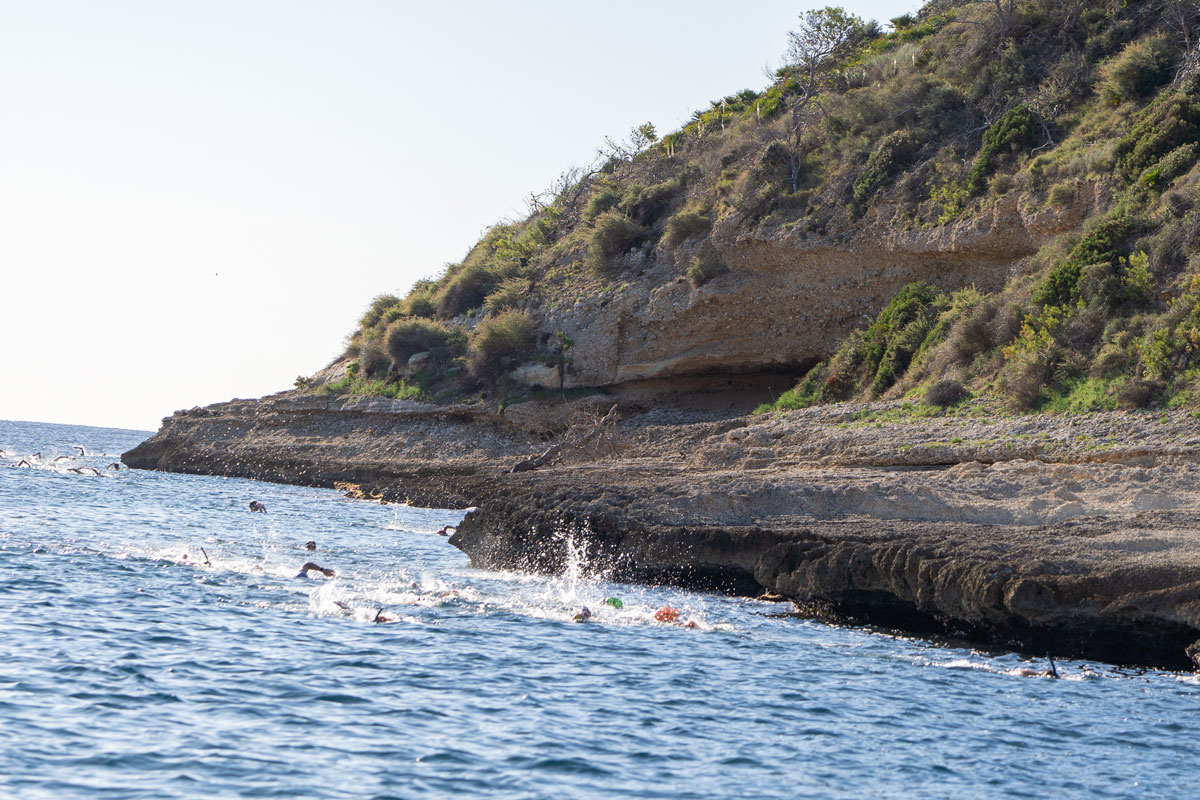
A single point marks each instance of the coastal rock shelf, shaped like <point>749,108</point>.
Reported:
<point>1074,534</point>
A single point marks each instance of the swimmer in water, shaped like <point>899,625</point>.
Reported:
<point>670,615</point>
<point>24,463</point>
<point>81,449</point>
<point>584,614</point>
<point>1042,673</point>
<point>113,466</point>
<point>308,565</point>
<point>379,615</point>
<point>310,545</point>
<point>63,458</point>
<point>447,530</point>
<point>257,506</point>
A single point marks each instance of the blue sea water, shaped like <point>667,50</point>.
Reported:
<point>155,642</point>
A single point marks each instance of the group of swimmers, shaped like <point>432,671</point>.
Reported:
<point>667,614</point>
<point>29,462</point>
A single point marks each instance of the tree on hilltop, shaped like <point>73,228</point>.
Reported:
<point>824,36</point>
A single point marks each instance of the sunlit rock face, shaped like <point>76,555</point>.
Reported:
<point>784,298</point>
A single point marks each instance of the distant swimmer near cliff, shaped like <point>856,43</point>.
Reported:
<point>308,565</point>
<point>447,530</point>
<point>257,506</point>
<point>1041,673</point>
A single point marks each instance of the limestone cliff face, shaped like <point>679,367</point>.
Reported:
<point>787,298</point>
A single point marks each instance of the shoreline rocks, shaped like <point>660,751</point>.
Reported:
<point>1079,534</point>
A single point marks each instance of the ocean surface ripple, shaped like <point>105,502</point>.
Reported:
<point>156,642</point>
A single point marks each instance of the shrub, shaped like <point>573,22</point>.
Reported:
<point>407,337</point>
<point>946,392</point>
<point>1171,121</point>
<point>1062,194</point>
<point>704,268</point>
<point>465,288</point>
<point>508,294</point>
<point>373,358</point>
<point>499,342</point>
<point>893,153</point>
<point>1139,393</point>
<point>601,200</point>
<point>377,309</point>
<point>1177,203</point>
<point>973,333</point>
<point>1137,284</point>
<point>1101,245</point>
<point>807,392</point>
<point>420,304</point>
<point>1016,129</point>
<point>612,234</point>
<point>1138,70</point>
<point>844,371</point>
<point>394,313</point>
<point>897,333</point>
<point>686,225</point>
<point>645,204</point>
<point>1169,167</point>
<point>1023,379</point>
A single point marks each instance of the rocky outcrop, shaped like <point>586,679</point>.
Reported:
<point>1080,535</point>
<point>787,297</point>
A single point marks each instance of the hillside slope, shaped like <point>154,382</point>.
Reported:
<point>996,195</point>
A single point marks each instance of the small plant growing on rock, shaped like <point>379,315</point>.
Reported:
<point>704,268</point>
<point>1061,194</point>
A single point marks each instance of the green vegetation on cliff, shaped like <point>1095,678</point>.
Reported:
<point>956,111</point>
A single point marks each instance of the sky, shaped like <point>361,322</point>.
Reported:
<point>199,199</point>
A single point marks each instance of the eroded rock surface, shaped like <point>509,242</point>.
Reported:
<point>801,293</point>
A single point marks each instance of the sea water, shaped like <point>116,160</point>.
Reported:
<point>156,642</point>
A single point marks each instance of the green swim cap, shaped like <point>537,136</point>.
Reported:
<point>615,602</point>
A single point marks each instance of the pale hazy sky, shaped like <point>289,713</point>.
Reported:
<point>199,199</point>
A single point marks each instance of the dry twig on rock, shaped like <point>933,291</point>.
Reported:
<point>585,435</point>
